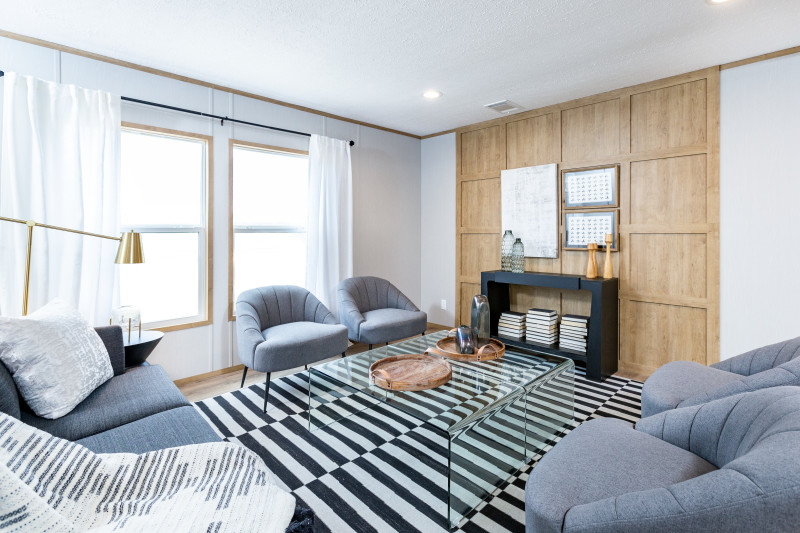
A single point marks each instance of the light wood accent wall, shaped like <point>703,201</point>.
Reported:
<point>665,137</point>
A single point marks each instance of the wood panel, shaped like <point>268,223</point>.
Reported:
<point>480,252</point>
<point>480,203</point>
<point>665,137</point>
<point>590,132</point>
<point>669,191</point>
<point>530,142</point>
<point>483,150</point>
<point>655,334</point>
<point>465,292</point>
<point>522,298</point>
<point>667,265</point>
<point>667,118</point>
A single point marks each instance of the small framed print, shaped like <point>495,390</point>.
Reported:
<point>590,187</point>
<point>581,228</point>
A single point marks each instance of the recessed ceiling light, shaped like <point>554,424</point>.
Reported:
<point>432,94</point>
<point>712,2</point>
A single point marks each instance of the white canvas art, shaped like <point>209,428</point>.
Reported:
<point>529,198</point>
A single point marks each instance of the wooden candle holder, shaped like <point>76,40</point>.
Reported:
<point>591,266</point>
<point>608,269</point>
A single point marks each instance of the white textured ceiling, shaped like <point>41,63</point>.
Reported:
<point>371,60</point>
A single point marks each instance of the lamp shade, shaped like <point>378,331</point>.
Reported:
<point>130,249</point>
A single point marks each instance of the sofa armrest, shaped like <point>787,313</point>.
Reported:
<point>112,338</point>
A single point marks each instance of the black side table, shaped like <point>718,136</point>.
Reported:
<point>140,347</point>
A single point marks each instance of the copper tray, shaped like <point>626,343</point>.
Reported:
<point>410,372</point>
<point>448,348</point>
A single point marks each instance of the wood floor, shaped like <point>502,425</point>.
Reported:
<point>200,389</point>
<point>196,390</point>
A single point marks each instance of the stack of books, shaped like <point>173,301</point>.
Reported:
<point>542,326</point>
<point>574,330</point>
<point>511,325</point>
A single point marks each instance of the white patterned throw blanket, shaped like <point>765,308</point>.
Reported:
<point>53,485</point>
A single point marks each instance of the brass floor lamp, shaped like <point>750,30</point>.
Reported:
<point>129,251</point>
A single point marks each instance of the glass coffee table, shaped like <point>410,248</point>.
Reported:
<point>494,415</point>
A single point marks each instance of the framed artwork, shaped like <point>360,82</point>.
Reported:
<point>529,208</point>
<point>581,228</point>
<point>591,187</point>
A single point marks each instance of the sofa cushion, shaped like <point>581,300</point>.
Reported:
<point>674,382</point>
<point>386,325</point>
<point>176,427</point>
<point>55,358</point>
<point>9,397</point>
<point>141,391</point>
<point>298,343</point>
<point>602,458</point>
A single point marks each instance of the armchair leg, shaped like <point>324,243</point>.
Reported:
<point>266,391</point>
<point>370,346</point>
<point>243,376</point>
<point>343,354</point>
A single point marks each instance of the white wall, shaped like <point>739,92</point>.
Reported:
<point>439,228</point>
<point>386,176</point>
<point>759,208</point>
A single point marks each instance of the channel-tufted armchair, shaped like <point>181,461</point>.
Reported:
<point>730,465</point>
<point>375,311</point>
<point>282,327</point>
<point>685,383</point>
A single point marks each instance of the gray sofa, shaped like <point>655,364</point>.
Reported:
<point>282,327</point>
<point>375,311</point>
<point>685,383</point>
<point>136,411</point>
<point>730,465</point>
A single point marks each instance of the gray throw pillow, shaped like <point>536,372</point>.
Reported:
<point>55,358</point>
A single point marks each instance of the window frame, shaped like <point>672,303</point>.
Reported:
<point>205,232</point>
<point>232,144</point>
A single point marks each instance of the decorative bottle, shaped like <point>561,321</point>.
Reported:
<point>518,256</point>
<point>505,254</point>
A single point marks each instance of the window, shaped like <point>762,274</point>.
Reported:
<point>269,204</point>
<point>164,195</point>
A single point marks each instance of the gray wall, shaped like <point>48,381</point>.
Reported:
<point>759,208</point>
<point>438,228</point>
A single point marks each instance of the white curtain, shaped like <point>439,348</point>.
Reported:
<point>329,256</point>
<point>59,165</point>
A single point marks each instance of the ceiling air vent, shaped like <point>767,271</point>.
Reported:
<point>504,107</point>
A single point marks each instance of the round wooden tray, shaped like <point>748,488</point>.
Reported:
<point>448,348</point>
<point>410,372</point>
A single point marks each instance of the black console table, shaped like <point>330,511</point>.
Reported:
<point>601,350</point>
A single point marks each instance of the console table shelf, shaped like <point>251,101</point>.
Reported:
<point>602,342</point>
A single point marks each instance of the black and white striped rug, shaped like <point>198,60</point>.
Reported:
<point>378,469</point>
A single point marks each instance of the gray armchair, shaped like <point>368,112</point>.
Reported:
<point>729,465</point>
<point>284,327</point>
<point>375,311</point>
<point>685,383</point>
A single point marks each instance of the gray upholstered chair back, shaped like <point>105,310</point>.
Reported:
<point>281,304</point>
<point>731,428</point>
<point>771,366</point>
<point>368,293</point>
<point>762,359</point>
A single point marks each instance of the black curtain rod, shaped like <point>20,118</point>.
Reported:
<point>209,115</point>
